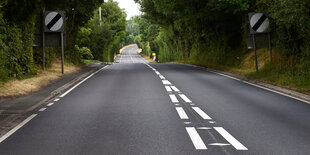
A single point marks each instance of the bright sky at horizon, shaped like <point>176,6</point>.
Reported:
<point>131,8</point>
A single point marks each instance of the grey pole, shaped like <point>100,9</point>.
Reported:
<point>62,53</point>
<point>270,46</point>
<point>43,43</point>
<point>254,44</point>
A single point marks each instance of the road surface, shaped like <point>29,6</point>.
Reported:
<point>133,107</point>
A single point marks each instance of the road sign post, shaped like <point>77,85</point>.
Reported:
<point>259,23</point>
<point>54,22</point>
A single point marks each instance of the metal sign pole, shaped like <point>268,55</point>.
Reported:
<point>62,53</point>
<point>270,46</point>
<point>43,45</point>
<point>254,44</point>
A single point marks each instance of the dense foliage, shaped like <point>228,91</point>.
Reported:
<point>213,32</point>
<point>18,19</point>
<point>106,38</point>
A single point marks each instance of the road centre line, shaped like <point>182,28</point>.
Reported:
<point>17,127</point>
<point>161,77</point>
<point>234,142</point>
<point>57,99</point>
<point>181,113</point>
<point>175,88</point>
<point>157,72</point>
<point>168,89</point>
<point>166,82</point>
<point>42,109</point>
<point>201,113</point>
<point>68,91</point>
<point>174,99</point>
<point>186,99</point>
<point>196,139</point>
<point>50,104</point>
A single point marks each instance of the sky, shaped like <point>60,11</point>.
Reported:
<point>131,8</point>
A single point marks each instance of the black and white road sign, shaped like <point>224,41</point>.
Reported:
<point>54,21</point>
<point>259,23</point>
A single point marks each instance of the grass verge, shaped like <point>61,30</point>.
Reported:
<point>15,87</point>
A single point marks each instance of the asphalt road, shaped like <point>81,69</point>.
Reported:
<point>133,107</point>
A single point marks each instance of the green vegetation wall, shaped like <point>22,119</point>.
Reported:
<point>213,32</point>
<point>106,38</point>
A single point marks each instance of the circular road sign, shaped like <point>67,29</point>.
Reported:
<point>54,21</point>
<point>259,22</point>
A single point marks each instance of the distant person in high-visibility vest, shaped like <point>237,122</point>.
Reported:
<point>154,56</point>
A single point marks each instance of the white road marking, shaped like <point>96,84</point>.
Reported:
<point>212,122</point>
<point>204,128</point>
<point>57,99</point>
<point>186,99</point>
<point>157,72</point>
<point>234,142</point>
<point>181,113</point>
<point>175,88</point>
<point>42,109</point>
<point>196,139</point>
<point>17,127</point>
<point>176,104</point>
<point>201,113</point>
<point>50,104</point>
<point>166,82</point>
<point>161,77</point>
<point>187,122</point>
<point>153,69</point>
<point>255,85</point>
<point>174,99</point>
<point>168,89</point>
<point>68,91</point>
<point>219,144</point>
<point>192,104</point>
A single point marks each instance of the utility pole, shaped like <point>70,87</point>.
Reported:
<point>100,15</point>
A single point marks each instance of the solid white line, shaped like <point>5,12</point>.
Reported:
<point>50,104</point>
<point>196,139</point>
<point>166,82</point>
<point>17,127</point>
<point>68,91</point>
<point>42,109</point>
<point>187,100</point>
<point>168,89</point>
<point>57,99</point>
<point>201,113</point>
<point>174,99</point>
<point>262,87</point>
<point>181,113</point>
<point>175,88</point>
<point>234,142</point>
<point>161,77</point>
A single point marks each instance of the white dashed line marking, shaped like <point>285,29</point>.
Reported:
<point>157,72</point>
<point>50,104</point>
<point>168,89</point>
<point>42,109</point>
<point>181,113</point>
<point>175,88</point>
<point>187,122</point>
<point>17,127</point>
<point>161,77</point>
<point>234,142</point>
<point>57,99</point>
<point>187,100</point>
<point>166,82</point>
<point>204,128</point>
<point>196,139</point>
<point>174,99</point>
<point>201,113</point>
<point>219,144</point>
